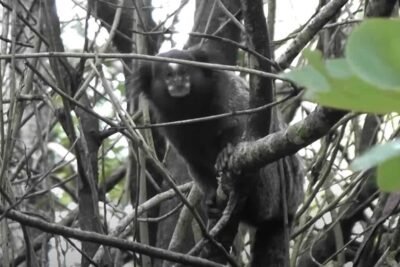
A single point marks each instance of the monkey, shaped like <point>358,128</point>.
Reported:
<point>180,92</point>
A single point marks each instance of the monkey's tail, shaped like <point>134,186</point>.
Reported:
<point>270,248</point>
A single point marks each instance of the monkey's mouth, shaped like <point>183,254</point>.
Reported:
<point>178,91</point>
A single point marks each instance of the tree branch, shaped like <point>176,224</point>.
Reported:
<point>256,154</point>
<point>93,237</point>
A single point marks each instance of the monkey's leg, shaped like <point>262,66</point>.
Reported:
<point>224,237</point>
<point>270,248</point>
<point>223,229</point>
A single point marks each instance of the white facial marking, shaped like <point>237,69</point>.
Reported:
<point>173,66</point>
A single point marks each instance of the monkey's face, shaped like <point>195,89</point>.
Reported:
<point>177,79</point>
<point>169,86</point>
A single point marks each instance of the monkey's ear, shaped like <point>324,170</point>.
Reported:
<point>142,78</point>
<point>201,55</point>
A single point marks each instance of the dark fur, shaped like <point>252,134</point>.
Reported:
<point>198,143</point>
<point>215,92</point>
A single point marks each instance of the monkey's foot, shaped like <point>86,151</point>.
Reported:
<point>226,170</point>
<point>224,159</point>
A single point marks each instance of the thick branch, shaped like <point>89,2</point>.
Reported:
<point>316,24</point>
<point>256,154</point>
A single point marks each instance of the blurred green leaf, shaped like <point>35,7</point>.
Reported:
<point>373,52</point>
<point>376,155</point>
<point>387,158</point>
<point>389,175</point>
<point>65,199</point>
<point>334,85</point>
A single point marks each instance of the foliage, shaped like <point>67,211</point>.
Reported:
<point>366,80</point>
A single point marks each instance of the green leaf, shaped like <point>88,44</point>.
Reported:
<point>334,85</point>
<point>315,59</point>
<point>310,78</point>
<point>387,158</point>
<point>377,155</point>
<point>373,52</point>
<point>389,175</point>
<point>65,199</point>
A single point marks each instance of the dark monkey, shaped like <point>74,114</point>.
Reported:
<point>179,92</point>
